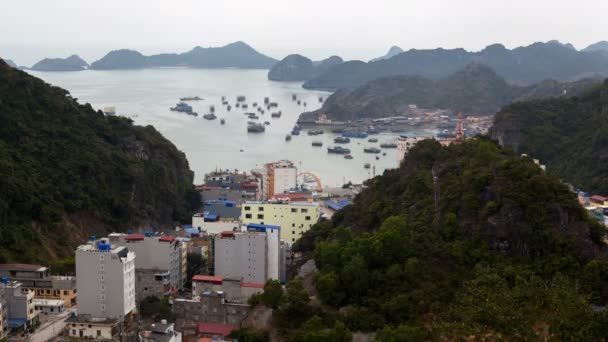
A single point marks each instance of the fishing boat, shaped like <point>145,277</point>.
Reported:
<point>371,150</point>
<point>244,106</point>
<point>228,108</point>
<point>288,137</point>
<point>273,105</point>
<point>276,115</point>
<point>222,121</point>
<point>191,98</point>
<point>266,123</point>
<point>210,116</point>
<point>373,140</point>
<point>266,100</point>
<point>294,97</point>
<point>237,105</point>
<point>253,127</point>
<point>255,104</point>
<point>366,165</point>
<point>337,130</point>
<point>388,145</point>
<point>348,156</point>
<point>351,134</point>
<point>320,99</point>
<point>253,116</point>
<point>338,150</point>
<point>317,143</point>
<point>183,108</point>
<point>315,132</point>
<point>341,140</point>
<point>212,109</point>
<point>241,98</point>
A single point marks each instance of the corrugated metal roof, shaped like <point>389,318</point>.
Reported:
<point>133,237</point>
<point>167,238</point>
<point>254,285</point>
<point>207,278</point>
<point>216,329</point>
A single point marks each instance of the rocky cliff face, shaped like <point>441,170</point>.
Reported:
<point>72,63</point>
<point>392,52</point>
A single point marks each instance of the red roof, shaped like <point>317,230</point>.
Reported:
<point>292,196</point>
<point>21,267</point>
<point>167,238</point>
<point>208,278</point>
<point>249,185</point>
<point>216,329</point>
<point>599,198</point>
<point>227,233</point>
<point>135,237</point>
<point>206,188</point>
<point>254,285</point>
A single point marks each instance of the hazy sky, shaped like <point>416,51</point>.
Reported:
<point>33,29</point>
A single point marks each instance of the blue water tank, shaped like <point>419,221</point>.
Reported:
<point>4,280</point>
<point>92,238</point>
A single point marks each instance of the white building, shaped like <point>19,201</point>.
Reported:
<point>276,178</point>
<point>251,257</point>
<point>105,280</point>
<point>49,306</point>
<point>404,144</point>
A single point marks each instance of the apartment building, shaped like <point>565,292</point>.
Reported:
<point>105,280</point>
<point>293,218</point>
<point>37,278</point>
<point>19,306</point>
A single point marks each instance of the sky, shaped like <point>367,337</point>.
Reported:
<point>33,29</point>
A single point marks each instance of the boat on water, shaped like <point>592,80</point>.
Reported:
<point>209,116</point>
<point>294,97</point>
<point>358,135</point>
<point>288,137</point>
<point>241,98</point>
<point>255,104</point>
<point>253,116</point>
<point>341,140</point>
<point>267,123</point>
<point>338,150</point>
<point>222,121</point>
<point>317,143</point>
<point>229,108</point>
<point>212,109</point>
<point>253,127</point>
<point>266,100</point>
<point>338,130</point>
<point>348,156</point>
<point>315,132</point>
<point>191,98</point>
<point>373,140</point>
<point>320,99</point>
<point>377,158</point>
<point>367,165</point>
<point>244,106</point>
<point>237,105</point>
<point>183,107</point>
<point>299,102</point>
<point>372,130</point>
<point>273,105</point>
<point>276,115</point>
<point>388,145</point>
<point>371,150</point>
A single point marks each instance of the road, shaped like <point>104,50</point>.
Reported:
<point>50,329</point>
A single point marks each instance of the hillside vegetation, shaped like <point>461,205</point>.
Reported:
<point>569,135</point>
<point>67,171</point>
<point>464,241</point>
<point>474,90</point>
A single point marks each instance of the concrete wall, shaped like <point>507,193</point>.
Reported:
<point>90,330</point>
<point>242,256</point>
<point>210,309</point>
<point>105,281</point>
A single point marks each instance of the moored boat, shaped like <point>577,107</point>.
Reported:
<point>371,150</point>
<point>317,143</point>
<point>341,140</point>
<point>338,150</point>
<point>253,127</point>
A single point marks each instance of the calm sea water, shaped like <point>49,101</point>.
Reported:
<point>147,95</point>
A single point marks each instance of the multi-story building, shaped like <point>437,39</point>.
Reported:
<point>105,280</point>
<point>91,328</point>
<point>276,178</point>
<point>20,307</point>
<point>159,262</point>
<point>252,256</point>
<point>293,218</point>
<point>37,278</point>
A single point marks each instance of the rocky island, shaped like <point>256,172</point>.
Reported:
<point>72,63</point>
<point>299,68</point>
<point>235,55</point>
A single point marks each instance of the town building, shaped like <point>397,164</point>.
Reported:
<point>294,218</point>
<point>105,280</point>
<point>222,208</point>
<point>49,306</point>
<point>209,307</point>
<point>253,256</point>
<point>234,291</point>
<point>459,133</point>
<point>84,326</point>
<point>159,262</point>
<point>598,201</point>
<point>37,278</point>
<point>20,308</point>
<point>276,178</point>
<point>404,144</point>
<point>160,332</point>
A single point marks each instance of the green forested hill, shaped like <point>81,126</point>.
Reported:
<point>465,241</point>
<point>67,171</point>
<point>569,135</point>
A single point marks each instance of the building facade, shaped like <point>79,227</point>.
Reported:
<point>251,257</point>
<point>105,280</point>
<point>293,218</point>
<point>20,307</point>
<point>276,178</point>
<point>404,144</point>
<point>37,278</point>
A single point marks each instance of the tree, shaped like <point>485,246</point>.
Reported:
<point>273,293</point>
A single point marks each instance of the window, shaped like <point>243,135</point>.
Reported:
<point>261,216</point>
<point>65,293</point>
<point>98,333</point>
<point>248,216</point>
<point>100,256</point>
<point>293,224</point>
<point>293,232</point>
<point>294,210</point>
<point>260,208</point>
<point>247,208</point>
<point>307,218</point>
<point>304,210</point>
<point>73,332</point>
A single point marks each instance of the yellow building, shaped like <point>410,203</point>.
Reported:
<point>293,218</point>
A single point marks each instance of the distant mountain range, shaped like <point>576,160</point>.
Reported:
<point>476,90</point>
<point>235,55</point>
<point>392,52</point>
<point>299,68</point>
<point>72,63</point>
<point>523,65</point>
<point>599,46</point>
<point>10,63</point>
